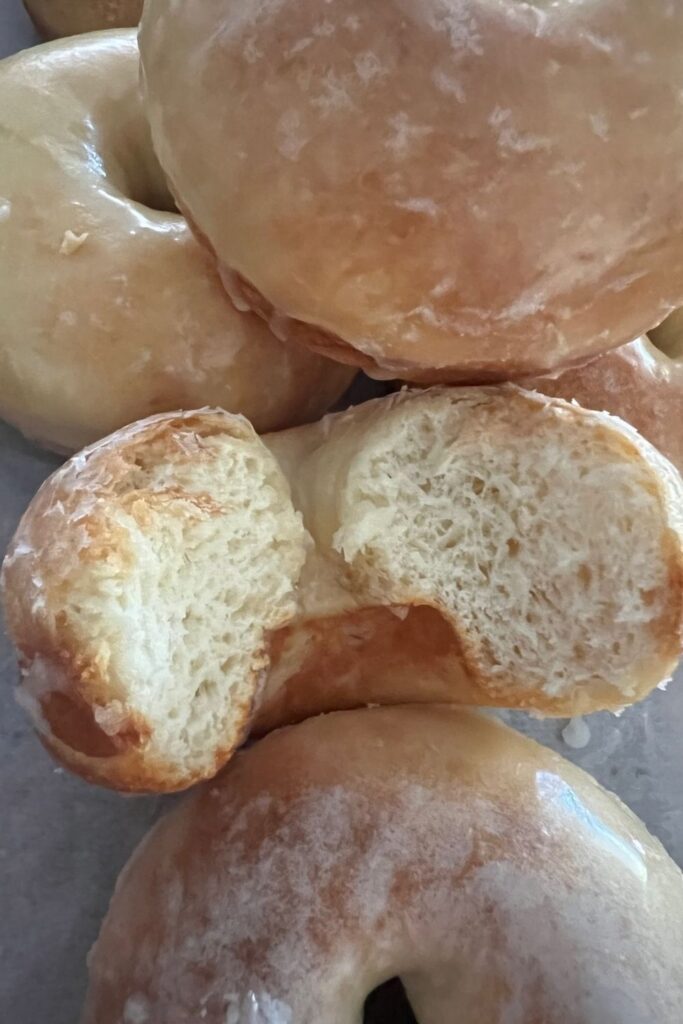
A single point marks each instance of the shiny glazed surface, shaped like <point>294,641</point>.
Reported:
<point>433,844</point>
<point>383,181</point>
<point>112,310</point>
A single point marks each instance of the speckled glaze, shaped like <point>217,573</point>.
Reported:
<point>446,190</point>
<point>112,309</point>
<point>488,873</point>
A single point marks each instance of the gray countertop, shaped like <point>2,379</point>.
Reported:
<point>63,842</point>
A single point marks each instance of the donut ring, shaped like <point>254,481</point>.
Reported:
<point>501,883</point>
<point>386,186</point>
<point>112,310</point>
<point>55,18</point>
<point>642,382</point>
<point>485,546</point>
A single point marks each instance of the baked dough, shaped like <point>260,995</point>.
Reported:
<point>458,190</point>
<point>54,18</point>
<point>184,582</point>
<point>111,309</point>
<point>641,382</point>
<point>502,884</point>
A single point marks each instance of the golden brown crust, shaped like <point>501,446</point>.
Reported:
<point>56,18</point>
<point>430,843</point>
<point>401,655</point>
<point>114,311</point>
<point>637,382</point>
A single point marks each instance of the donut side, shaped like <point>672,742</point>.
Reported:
<point>640,382</point>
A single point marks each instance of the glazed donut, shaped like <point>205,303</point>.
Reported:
<point>381,181</point>
<point>54,18</point>
<point>501,883</point>
<point>111,309</point>
<point>642,382</point>
<point>184,582</point>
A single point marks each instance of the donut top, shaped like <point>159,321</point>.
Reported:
<point>451,190</point>
<point>426,843</point>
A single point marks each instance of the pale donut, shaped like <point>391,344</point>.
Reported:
<point>111,309</point>
<point>501,883</point>
<point>55,18</point>
<point>452,190</point>
<point>185,582</point>
<point>642,382</point>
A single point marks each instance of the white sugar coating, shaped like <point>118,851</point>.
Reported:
<point>136,1010</point>
<point>293,908</point>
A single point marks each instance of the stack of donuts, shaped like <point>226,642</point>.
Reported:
<point>207,229</point>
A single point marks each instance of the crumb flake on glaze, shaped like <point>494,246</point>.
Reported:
<point>641,382</point>
<point>358,167</point>
<point>184,582</point>
<point>486,872</point>
<point>114,311</point>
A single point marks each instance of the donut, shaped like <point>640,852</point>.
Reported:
<point>382,182</point>
<point>111,309</point>
<point>499,882</point>
<point>55,18</point>
<point>185,582</point>
<point>642,382</point>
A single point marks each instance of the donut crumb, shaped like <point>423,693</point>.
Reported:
<point>576,734</point>
<point>71,242</point>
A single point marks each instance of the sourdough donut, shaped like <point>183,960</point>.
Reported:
<point>185,582</point>
<point>111,309</point>
<point>642,382</point>
<point>498,881</point>
<point>381,181</point>
<point>54,18</point>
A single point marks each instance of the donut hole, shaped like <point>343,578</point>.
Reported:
<point>153,194</point>
<point>141,180</point>
<point>388,1004</point>
<point>668,337</point>
<point>128,158</point>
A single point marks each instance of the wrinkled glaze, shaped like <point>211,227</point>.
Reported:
<point>112,310</point>
<point>499,882</point>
